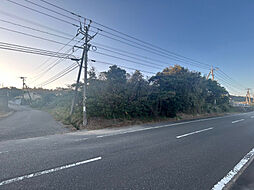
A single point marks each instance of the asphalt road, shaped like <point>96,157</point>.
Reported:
<point>187,155</point>
<point>26,122</point>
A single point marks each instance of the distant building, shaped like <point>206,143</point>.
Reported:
<point>4,101</point>
<point>34,96</point>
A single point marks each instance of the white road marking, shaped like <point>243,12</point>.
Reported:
<point>47,171</point>
<point>237,121</point>
<point>195,132</point>
<point>83,139</point>
<point>252,117</point>
<point>247,159</point>
<point>162,126</point>
<point>3,152</point>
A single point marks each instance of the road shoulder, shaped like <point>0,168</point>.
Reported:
<point>246,180</point>
<point>4,115</point>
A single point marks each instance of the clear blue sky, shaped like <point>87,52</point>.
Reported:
<point>216,32</point>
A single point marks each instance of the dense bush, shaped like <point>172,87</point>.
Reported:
<point>117,94</point>
<point>114,94</point>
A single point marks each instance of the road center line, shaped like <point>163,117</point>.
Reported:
<point>3,152</point>
<point>236,171</point>
<point>195,132</point>
<point>47,171</point>
<point>83,139</point>
<point>237,121</point>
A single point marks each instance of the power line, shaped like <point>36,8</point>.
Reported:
<point>149,44</point>
<point>149,47</point>
<point>58,52</point>
<point>136,56</point>
<point>65,38</point>
<point>126,35</point>
<point>107,63</point>
<point>26,49</point>
<point>48,9</point>
<point>35,10</point>
<point>229,81</point>
<point>59,75</point>
<point>46,33</point>
<point>231,78</point>
<point>99,29</point>
<point>40,75</point>
<point>128,60</point>
<point>125,55</point>
<point>153,52</point>
<point>34,29</point>
<point>49,68</point>
<point>62,9</point>
<point>34,23</point>
<point>229,85</point>
<point>58,36</point>
<point>33,36</point>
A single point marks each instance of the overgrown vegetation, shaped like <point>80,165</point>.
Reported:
<point>115,94</point>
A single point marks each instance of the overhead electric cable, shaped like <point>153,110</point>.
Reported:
<point>26,49</point>
<point>35,10</point>
<point>33,36</point>
<point>126,67</point>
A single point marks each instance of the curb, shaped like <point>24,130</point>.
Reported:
<point>236,177</point>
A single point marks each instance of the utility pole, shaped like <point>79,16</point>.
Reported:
<point>84,59</point>
<point>248,98</point>
<point>211,73</point>
<point>23,80</point>
<point>25,86</point>
<point>85,53</point>
<point>77,84</point>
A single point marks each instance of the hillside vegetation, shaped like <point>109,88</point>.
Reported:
<point>115,94</point>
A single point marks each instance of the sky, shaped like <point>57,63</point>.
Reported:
<point>215,32</point>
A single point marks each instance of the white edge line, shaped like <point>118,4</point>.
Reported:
<point>162,126</point>
<point>226,180</point>
<point>237,121</point>
<point>83,139</point>
<point>47,171</point>
<point>194,132</point>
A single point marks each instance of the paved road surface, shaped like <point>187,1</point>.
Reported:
<point>189,155</point>
<point>25,123</point>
